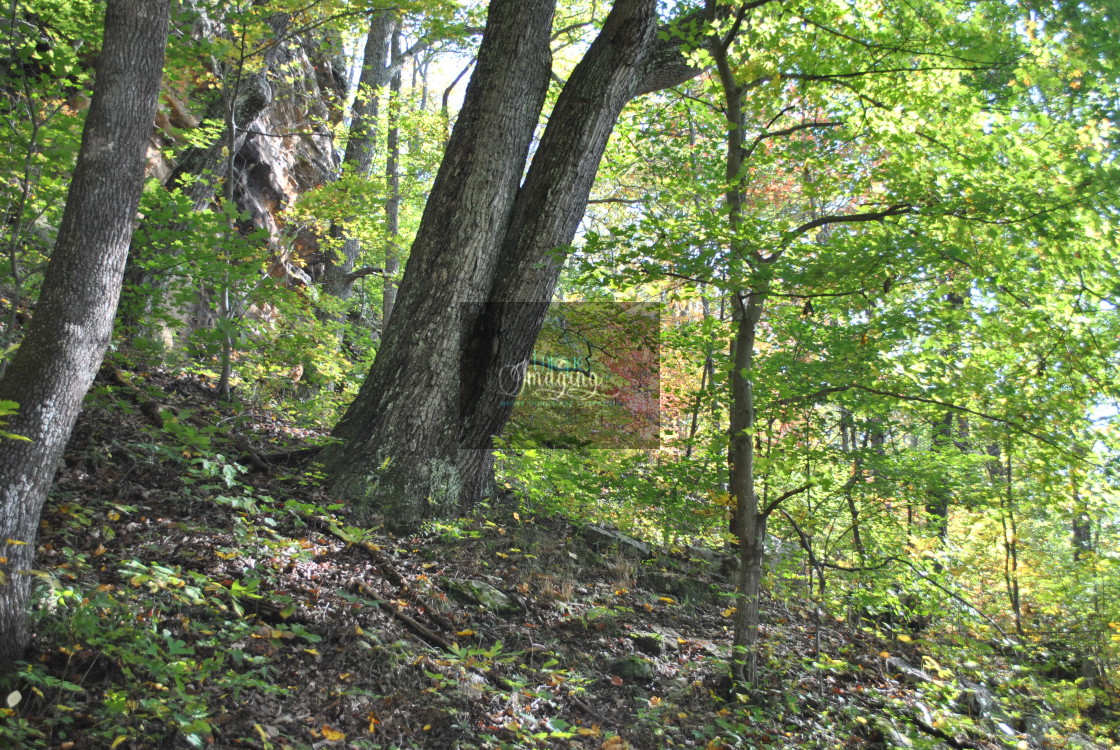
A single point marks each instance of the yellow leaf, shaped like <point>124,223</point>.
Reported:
<point>861,720</point>
<point>311,651</point>
<point>728,612</point>
<point>427,727</point>
<point>502,555</point>
<point>667,600</point>
<point>905,638</point>
<point>885,654</point>
<point>332,734</point>
<point>16,541</point>
<point>516,516</point>
<point>592,731</point>
<point>100,550</point>
<point>373,722</point>
<point>114,516</point>
<point>117,742</point>
<point>655,700</point>
<point>465,633</point>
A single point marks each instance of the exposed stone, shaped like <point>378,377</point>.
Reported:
<point>483,594</point>
<point>982,704</point>
<point>672,584</point>
<point>908,672</point>
<point>633,668</point>
<point>627,545</point>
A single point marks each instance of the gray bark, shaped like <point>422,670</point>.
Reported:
<point>393,183</point>
<point>482,269</point>
<point>361,147</point>
<point>55,365</point>
<point>549,208</point>
<point>399,435</point>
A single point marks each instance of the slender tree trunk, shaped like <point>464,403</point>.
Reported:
<point>393,183</point>
<point>1082,522</point>
<point>55,365</point>
<point>361,146</point>
<point>1011,546</point>
<point>937,506</point>
<point>750,524</point>
<point>849,443</point>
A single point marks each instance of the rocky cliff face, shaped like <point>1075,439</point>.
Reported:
<point>284,144</point>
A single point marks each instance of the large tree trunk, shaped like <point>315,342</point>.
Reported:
<point>482,270</point>
<point>400,435</point>
<point>549,208</point>
<point>55,365</point>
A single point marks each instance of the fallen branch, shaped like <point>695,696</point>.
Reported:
<point>427,634</point>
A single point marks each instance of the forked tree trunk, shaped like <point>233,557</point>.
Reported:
<point>400,435</point>
<point>55,365</point>
<point>549,208</point>
<point>481,272</point>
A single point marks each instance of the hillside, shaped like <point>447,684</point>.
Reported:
<point>196,589</point>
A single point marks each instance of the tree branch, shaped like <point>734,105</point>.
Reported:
<point>773,505</point>
<point>898,209</point>
<point>363,272</point>
<point>932,401</point>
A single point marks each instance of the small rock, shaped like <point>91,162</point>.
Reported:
<point>484,594</point>
<point>633,668</point>
<point>682,587</point>
<point>649,643</point>
<point>702,553</point>
<point>910,673</point>
<point>629,546</point>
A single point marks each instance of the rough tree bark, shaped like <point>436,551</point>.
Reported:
<point>483,267</point>
<point>400,435</point>
<point>548,210</point>
<point>55,365</point>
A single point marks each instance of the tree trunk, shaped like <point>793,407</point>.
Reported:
<point>393,183</point>
<point>482,269</point>
<point>400,435</point>
<point>55,365</point>
<point>361,146</point>
<point>937,506</point>
<point>549,208</point>
<point>750,524</point>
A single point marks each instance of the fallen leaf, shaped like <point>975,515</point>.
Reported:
<point>332,734</point>
<point>616,680</point>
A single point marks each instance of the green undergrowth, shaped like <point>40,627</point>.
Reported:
<point>182,601</point>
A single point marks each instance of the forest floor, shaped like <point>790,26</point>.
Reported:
<point>195,593</point>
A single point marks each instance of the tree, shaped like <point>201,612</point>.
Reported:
<point>852,162</point>
<point>482,268</point>
<point>55,365</point>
